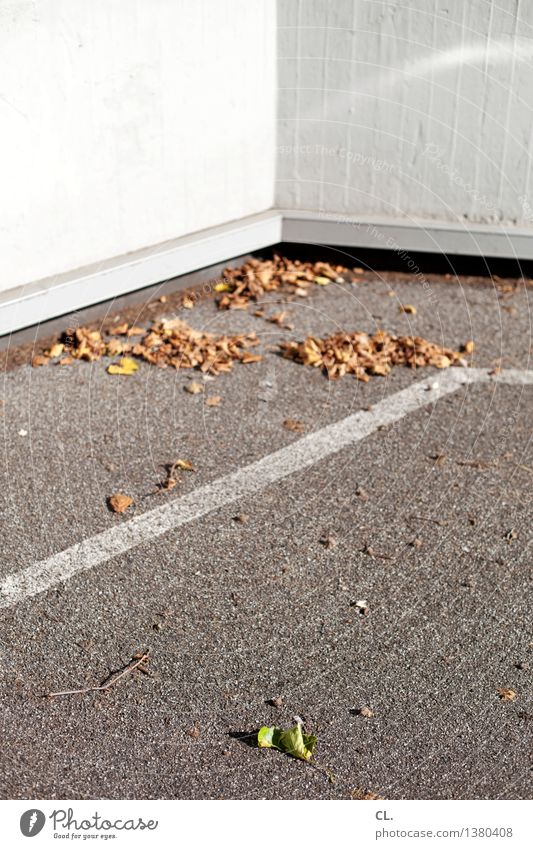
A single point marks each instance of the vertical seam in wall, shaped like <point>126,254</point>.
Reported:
<point>298,196</point>
<point>458,88</point>
<point>401,143</point>
<point>432,77</point>
<point>477,162</point>
<point>506,130</point>
<point>323,121</point>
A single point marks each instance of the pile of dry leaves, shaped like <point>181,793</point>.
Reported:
<point>251,280</point>
<point>362,355</point>
<point>166,343</point>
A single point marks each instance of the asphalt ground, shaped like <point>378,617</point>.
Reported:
<point>236,614</point>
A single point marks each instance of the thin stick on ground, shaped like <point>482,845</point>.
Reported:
<point>135,662</point>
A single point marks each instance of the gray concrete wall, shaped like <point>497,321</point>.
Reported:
<point>419,109</point>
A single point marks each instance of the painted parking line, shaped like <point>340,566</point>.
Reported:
<point>252,478</point>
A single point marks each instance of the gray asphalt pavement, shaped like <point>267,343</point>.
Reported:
<point>431,520</point>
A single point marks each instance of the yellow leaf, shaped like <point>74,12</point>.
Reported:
<point>184,465</point>
<point>124,366</point>
<point>223,287</point>
<point>322,281</point>
<point>56,350</point>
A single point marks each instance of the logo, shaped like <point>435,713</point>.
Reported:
<point>31,822</point>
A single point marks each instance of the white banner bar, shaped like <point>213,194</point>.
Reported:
<point>267,824</point>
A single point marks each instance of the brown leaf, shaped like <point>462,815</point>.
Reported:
<point>361,794</point>
<point>408,308</point>
<point>506,694</point>
<point>40,360</point>
<point>119,329</point>
<point>213,401</point>
<point>194,388</point>
<point>294,425</point>
<point>119,503</point>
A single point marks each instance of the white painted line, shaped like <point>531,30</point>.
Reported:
<point>287,461</point>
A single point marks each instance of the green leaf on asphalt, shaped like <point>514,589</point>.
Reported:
<point>293,742</point>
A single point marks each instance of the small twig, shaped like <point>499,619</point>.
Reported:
<point>477,464</point>
<point>111,680</point>
<point>429,519</point>
<point>525,468</point>
<point>373,553</point>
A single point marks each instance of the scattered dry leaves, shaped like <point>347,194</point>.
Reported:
<point>363,355</point>
<point>119,503</point>
<point>170,342</point>
<point>250,281</point>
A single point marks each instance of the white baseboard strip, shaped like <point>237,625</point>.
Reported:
<point>425,236</point>
<point>45,299</point>
<point>34,303</point>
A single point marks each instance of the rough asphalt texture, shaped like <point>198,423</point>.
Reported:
<point>236,614</point>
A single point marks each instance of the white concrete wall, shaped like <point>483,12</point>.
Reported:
<point>123,124</point>
<point>419,109</point>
